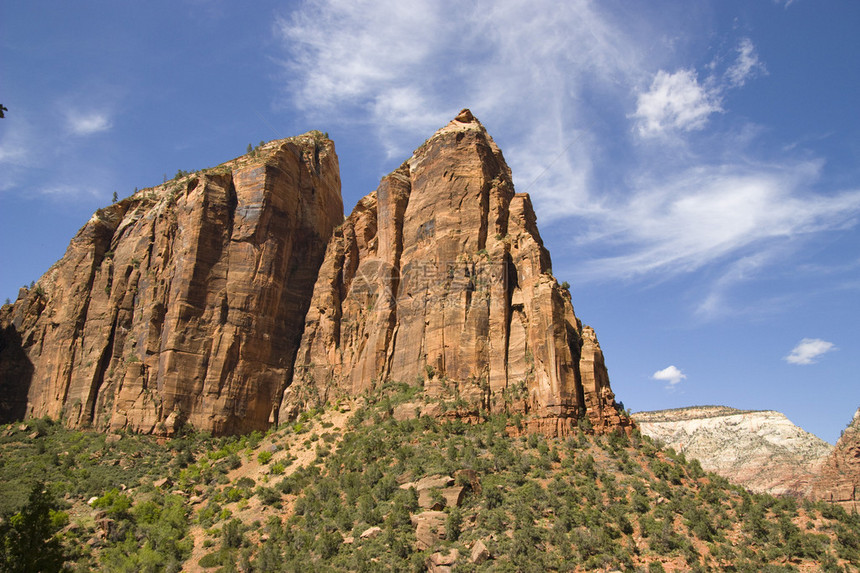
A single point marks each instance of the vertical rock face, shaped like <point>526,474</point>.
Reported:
<point>182,303</point>
<point>838,480</point>
<point>200,301</point>
<point>440,277</point>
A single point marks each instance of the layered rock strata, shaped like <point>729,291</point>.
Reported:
<point>182,303</point>
<point>838,480</point>
<point>440,278</point>
<point>760,450</point>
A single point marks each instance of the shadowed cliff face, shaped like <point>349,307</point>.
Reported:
<point>440,277</point>
<point>16,373</point>
<point>182,303</point>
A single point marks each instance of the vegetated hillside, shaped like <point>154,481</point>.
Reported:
<point>370,486</point>
<point>760,450</point>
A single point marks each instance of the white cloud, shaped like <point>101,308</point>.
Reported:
<point>807,350</point>
<point>675,102</point>
<point>671,375</point>
<point>65,190</point>
<point>746,66</point>
<point>681,223</point>
<point>14,152</point>
<point>679,102</point>
<point>87,123</point>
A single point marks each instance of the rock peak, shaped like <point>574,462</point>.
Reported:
<point>440,278</point>
<point>465,123</point>
<point>232,298</point>
<point>465,116</point>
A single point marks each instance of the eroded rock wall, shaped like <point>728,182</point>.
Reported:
<point>838,480</point>
<point>233,297</point>
<point>440,278</point>
<point>182,303</point>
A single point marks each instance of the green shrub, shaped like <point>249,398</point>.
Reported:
<point>114,503</point>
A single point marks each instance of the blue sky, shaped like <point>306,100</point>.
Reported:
<point>694,165</point>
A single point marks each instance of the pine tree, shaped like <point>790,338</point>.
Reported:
<point>27,539</point>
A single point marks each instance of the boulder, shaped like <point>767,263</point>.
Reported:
<point>406,411</point>
<point>371,532</point>
<point>453,495</point>
<point>442,562</point>
<point>479,553</point>
<point>470,479</point>
<point>163,482</point>
<point>429,528</point>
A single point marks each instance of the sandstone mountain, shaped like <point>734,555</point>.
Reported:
<point>760,450</point>
<point>182,303</point>
<point>234,297</point>
<point>838,480</point>
<point>441,274</point>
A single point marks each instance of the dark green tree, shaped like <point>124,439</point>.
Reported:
<point>28,540</point>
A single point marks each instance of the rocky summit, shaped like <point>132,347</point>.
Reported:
<point>440,276</point>
<point>232,298</point>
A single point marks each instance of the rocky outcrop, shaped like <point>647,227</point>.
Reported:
<point>762,450</point>
<point>440,278</point>
<point>838,480</point>
<point>182,303</point>
<point>200,301</point>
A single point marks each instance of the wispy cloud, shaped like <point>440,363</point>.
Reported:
<point>87,123</point>
<point>31,141</point>
<point>807,350</point>
<point>571,87</point>
<point>671,375</point>
<point>15,142</point>
<point>405,70</point>
<point>706,213</point>
<point>65,191</point>
<point>746,66</point>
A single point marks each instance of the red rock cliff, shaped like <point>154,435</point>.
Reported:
<point>182,303</point>
<point>200,301</point>
<point>838,479</point>
<point>440,277</point>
